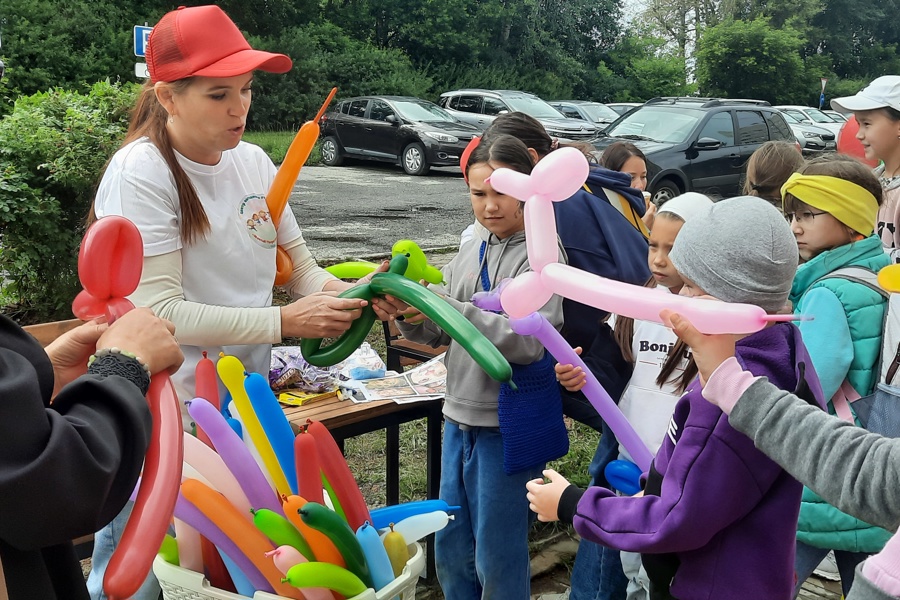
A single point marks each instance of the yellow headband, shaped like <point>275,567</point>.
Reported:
<point>851,204</point>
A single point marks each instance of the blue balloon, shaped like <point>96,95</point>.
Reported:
<point>240,581</point>
<point>624,476</point>
<point>383,517</point>
<point>274,423</point>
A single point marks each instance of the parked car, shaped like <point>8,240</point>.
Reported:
<point>622,107</point>
<point>836,116</point>
<point>414,133</point>
<point>812,139</point>
<point>811,116</point>
<point>480,108</point>
<point>697,144</point>
<point>593,112</point>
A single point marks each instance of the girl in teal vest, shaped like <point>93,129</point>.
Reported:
<point>832,203</point>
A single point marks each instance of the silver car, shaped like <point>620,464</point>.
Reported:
<point>480,108</point>
<point>812,139</point>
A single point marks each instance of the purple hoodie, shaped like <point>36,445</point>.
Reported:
<point>722,517</point>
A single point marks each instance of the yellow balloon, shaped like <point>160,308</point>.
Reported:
<point>231,372</point>
<point>889,278</point>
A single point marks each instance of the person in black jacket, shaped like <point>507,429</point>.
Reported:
<point>73,442</point>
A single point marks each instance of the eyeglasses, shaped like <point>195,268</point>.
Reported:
<point>803,218</point>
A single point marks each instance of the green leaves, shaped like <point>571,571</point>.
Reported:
<point>53,147</point>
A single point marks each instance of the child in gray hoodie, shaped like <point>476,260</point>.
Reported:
<point>483,552</point>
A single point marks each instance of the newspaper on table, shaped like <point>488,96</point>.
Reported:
<point>427,381</point>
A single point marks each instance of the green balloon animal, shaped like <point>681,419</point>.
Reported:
<point>395,282</point>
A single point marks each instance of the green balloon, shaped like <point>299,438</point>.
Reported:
<point>349,341</point>
<point>448,319</point>
<point>352,269</point>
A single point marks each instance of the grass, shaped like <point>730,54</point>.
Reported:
<point>276,144</point>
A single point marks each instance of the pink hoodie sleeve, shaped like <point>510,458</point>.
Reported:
<point>883,569</point>
<point>727,384</point>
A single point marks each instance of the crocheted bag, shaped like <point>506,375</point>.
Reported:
<point>531,417</point>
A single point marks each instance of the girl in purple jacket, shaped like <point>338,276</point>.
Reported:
<point>717,518</point>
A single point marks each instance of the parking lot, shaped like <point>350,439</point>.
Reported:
<point>359,210</point>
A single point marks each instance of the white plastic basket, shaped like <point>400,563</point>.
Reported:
<point>181,584</point>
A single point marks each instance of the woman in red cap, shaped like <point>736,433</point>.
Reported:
<point>191,186</point>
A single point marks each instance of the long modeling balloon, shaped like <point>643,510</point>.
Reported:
<point>281,531</point>
<point>376,556</point>
<point>241,583</point>
<point>309,470</point>
<point>233,524</point>
<point>321,545</point>
<point>231,372</point>
<point>382,517</point>
<point>354,269</point>
<point>418,268</point>
<point>211,466</point>
<point>397,550</point>
<point>322,518</point>
<point>334,465</point>
<point>281,187</point>
<point>286,557</point>
<point>319,574</point>
<point>188,540</point>
<point>418,527</point>
<point>109,266</point>
<point>206,387</point>
<point>275,425</point>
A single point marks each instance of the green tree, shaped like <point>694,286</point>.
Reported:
<point>749,59</point>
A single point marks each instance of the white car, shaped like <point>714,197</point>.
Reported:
<point>811,116</point>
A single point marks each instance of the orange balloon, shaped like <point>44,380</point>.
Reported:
<point>284,266</point>
<point>320,543</point>
<point>252,542</point>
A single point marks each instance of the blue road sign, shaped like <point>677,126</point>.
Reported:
<point>821,100</point>
<point>141,34</point>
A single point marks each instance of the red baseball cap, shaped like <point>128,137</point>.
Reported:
<point>203,41</point>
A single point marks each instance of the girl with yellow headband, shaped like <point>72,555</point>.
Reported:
<point>832,204</point>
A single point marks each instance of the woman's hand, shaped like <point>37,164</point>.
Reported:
<point>146,336</point>
<point>69,352</point>
<point>569,376</point>
<point>543,498</point>
<point>320,315</point>
<point>709,351</point>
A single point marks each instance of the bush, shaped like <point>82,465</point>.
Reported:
<point>53,146</point>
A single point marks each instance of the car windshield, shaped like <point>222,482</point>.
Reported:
<point>817,115</point>
<point>600,112</point>
<point>790,118</point>
<point>535,107</point>
<point>671,124</point>
<point>422,111</point>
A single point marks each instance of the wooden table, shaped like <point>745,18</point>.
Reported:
<point>346,419</point>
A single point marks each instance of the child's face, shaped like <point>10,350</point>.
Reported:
<point>662,237</point>
<point>500,214</point>
<point>878,134</point>
<point>816,231</point>
<point>689,288</point>
<point>637,168</point>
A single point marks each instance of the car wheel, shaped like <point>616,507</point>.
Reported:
<point>665,191</point>
<point>331,152</point>
<point>413,159</point>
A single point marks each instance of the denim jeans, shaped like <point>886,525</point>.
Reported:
<point>597,573</point>
<point>808,558</point>
<point>105,542</point>
<point>483,551</point>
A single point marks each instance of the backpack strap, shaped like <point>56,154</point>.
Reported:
<point>860,275</point>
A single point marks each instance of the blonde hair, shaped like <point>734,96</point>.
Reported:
<point>148,119</point>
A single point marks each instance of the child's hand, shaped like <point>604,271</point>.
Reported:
<point>709,351</point>
<point>543,498</point>
<point>413,316</point>
<point>569,376</point>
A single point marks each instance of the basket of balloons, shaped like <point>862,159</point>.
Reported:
<point>178,583</point>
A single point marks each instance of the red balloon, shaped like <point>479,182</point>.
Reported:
<point>848,144</point>
<point>334,465</point>
<point>86,307</point>
<point>309,472</point>
<point>111,258</point>
<point>155,503</point>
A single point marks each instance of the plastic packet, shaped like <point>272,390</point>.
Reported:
<point>364,363</point>
<point>289,370</point>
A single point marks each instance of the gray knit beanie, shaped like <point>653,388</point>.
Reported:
<point>739,250</point>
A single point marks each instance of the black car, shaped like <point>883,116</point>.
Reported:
<point>414,133</point>
<point>697,144</point>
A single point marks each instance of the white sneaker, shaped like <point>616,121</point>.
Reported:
<point>827,569</point>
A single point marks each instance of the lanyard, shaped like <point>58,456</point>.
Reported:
<point>485,280</point>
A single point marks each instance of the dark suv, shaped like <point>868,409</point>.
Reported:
<point>697,144</point>
<point>415,133</point>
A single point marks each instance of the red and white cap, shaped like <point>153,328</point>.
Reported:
<point>203,41</point>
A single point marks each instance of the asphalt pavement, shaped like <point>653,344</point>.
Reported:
<point>360,210</point>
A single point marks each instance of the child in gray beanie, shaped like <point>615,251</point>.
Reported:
<point>740,250</point>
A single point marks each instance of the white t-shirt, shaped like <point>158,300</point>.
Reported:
<point>234,265</point>
<point>647,406</point>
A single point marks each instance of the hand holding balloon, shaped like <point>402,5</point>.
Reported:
<point>709,351</point>
<point>324,314</point>
<point>571,377</point>
<point>147,336</point>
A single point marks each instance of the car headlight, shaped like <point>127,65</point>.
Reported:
<point>809,134</point>
<point>442,137</point>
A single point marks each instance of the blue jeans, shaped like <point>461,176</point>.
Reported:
<point>105,542</point>
<point>808,558</point>
<point>597,573</point>
<point>483,551</point>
